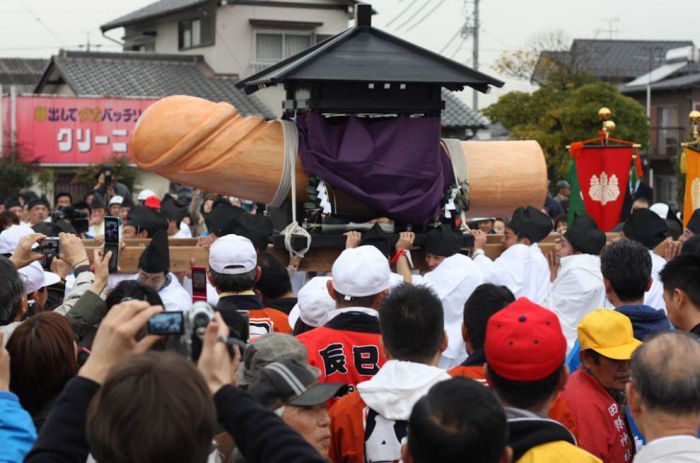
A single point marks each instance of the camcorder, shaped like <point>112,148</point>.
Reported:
<point>190,326</point>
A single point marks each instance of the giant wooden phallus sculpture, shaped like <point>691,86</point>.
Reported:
<point>362,129</point>
<point>210,146</point>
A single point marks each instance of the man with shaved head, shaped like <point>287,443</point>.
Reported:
<point>664,397</point>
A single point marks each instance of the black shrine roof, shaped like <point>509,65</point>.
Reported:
<point>366,54</point>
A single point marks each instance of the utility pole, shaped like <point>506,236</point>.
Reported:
<point>475,52</point>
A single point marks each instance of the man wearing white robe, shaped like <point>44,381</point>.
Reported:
<point>521,267</point>
<point>453,277</point>
<point>577,284</point>
<point>154,271</point>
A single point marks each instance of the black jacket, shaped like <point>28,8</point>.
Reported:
<point>527,430</point>
<point>260,434</point>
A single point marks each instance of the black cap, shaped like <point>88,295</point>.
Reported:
<point>693,223</point>
<point>226,219</point>
<point>12,201</point>
<point>97,202</point>
<point>585,236</point>
<point>127,202</point>
<point>145,218</point>
<point>290,382</point>
<point>38,202</point>
<point>156,257</point>
<point>442,241</point>
<point>646,227</point>
<point>376,237</point>
<point>173,209</point>
<point>531,223</point>
<point>28,196</point>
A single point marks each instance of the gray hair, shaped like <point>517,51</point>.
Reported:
<point>666,372</point>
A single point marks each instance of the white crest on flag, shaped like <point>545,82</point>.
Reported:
<point>695,193</point>
<point>604,190</point>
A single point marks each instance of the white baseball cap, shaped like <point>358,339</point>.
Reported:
<point>116,200</point>
<point>313,303</point>
<point>145,194</point>
<point>37,277</point>
<point>232,255</point>
<point>361,271</point>
<point>9,238</point>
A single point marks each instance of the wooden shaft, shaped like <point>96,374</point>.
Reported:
<point>317,260</point>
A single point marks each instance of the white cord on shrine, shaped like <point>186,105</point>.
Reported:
<point>291,145</point>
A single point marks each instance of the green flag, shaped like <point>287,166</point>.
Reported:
<point>576,206</point>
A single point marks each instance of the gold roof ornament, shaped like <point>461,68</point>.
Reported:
<point>605,115</point>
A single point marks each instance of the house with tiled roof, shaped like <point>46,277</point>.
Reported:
<point>147,75</point>
<point>22,73</point>
<point>613,61</point>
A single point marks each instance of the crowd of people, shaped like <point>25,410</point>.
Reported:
<point>588,353</point>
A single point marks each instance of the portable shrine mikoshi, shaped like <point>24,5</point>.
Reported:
<point>360,139</point>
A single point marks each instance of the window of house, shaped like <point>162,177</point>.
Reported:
<point>197,32</point>
<point>666,132</point>
<point>271,47</point>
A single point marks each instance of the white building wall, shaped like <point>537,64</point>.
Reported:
<point>233,51</point>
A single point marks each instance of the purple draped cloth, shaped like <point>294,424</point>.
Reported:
<point>396,166</point>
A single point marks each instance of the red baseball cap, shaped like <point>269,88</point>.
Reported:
<point>153,202</point>
<point>524,342</point>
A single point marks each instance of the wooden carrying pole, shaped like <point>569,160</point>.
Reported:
<point>182,251</point>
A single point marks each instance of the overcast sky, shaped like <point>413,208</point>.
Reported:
<point>38,28</point>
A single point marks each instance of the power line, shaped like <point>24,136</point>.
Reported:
<point>447,44</point>
<point>497,39</point>
<point>401,13</point>
<point>459,48</point>
<point>416,13</point>
<point>43,24</point>
<point>427,15</point>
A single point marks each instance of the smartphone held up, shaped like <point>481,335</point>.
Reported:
<point>112,229</point>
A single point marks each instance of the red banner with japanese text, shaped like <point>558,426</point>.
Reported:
<point>73,131</point>
<point>603,173</point>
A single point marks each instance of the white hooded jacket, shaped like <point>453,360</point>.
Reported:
<point>397,386</point>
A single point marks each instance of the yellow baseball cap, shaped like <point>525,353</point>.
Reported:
<point>609,333</point>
